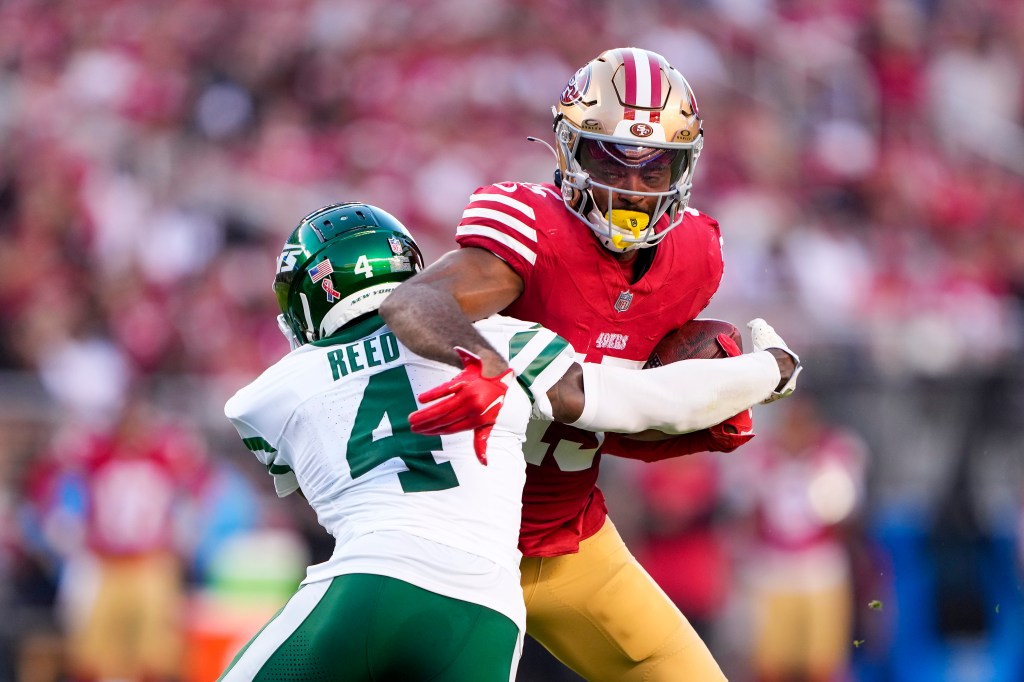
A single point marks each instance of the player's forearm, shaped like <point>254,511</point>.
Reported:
<point>566,396</point>
<point>715,439</point>
<point>429,322</point>
<point>676,398</point>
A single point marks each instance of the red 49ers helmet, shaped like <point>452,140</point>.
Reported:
<point>633,106</point>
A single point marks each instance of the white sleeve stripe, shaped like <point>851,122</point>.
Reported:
<point>500,237</point>
<point>539,340</point>
<point>550,376</point>
<point>549,353</point>
<point>533,348</point>
<point>285,480</point>
<point>503,218</point>
<point>525,209</point>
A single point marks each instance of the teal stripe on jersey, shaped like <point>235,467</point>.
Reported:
<point>541,360</point>
<point>278,469</point>
<point>519,341</point>
<point>257,444</point>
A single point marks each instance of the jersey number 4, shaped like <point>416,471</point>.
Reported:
<point>381,432</point>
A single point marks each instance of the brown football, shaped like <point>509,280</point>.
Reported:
<point>697,339</point>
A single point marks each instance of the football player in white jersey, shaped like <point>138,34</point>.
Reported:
<point>424,580</point>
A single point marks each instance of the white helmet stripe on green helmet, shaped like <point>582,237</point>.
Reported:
<point>338,264</point>
<point>305,311</point>
<point>351,307</point>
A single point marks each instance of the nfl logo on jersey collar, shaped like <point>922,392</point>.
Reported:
<point>622,304</point>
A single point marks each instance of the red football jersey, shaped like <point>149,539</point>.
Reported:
<point>134,490</point>
<point>802,496</point>
<point>579,289</point>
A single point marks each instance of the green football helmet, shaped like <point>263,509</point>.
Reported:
<point>341,262</point>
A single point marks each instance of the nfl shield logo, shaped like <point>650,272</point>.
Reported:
<point>622,304</point>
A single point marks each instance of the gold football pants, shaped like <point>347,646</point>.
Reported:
<point>802,633</point>
<point>132,627</point>
<point>600,614</point>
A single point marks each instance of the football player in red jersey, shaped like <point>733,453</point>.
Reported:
<point>612,258</point>
<point>123,587</point>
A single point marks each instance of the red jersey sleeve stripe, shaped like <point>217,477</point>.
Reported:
<point>490,215</point>
<point>495,235</point>
<point>506,200</point>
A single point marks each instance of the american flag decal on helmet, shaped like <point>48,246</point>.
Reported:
<point>694,111</point>
<point>322,269</point>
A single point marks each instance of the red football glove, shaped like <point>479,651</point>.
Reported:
<point>724,437</point>
<point>728,345</point>
<point>735,430</point>
<point>470,401</point>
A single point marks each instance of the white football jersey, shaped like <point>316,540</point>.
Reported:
<point>331,419</point>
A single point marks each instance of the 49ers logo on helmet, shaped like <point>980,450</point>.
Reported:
<point>641,129</point>
<point>693,105</point>
<point>577,85</point>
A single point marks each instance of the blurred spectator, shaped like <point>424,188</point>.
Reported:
<point>11,558</point>
<point>123,576</point>
<point>802,489</point>
<point>681,545</point>
<point>47,507</point>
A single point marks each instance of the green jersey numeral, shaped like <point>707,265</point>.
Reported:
<point>388,400</point>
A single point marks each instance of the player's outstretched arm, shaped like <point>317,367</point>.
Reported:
<point>689,395</point>
<point>681,397</point>
<point>678,398</point>
<point>432,312</point>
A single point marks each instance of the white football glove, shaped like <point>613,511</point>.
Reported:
<point>764,337</point>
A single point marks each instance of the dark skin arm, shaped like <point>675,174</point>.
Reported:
<point>786,365</point>
<point>461,287</point>
<point>566,396</point>
<point>470,284</point>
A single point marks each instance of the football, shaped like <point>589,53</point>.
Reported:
<point>697,339</point>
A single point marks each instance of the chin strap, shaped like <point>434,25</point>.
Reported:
<point>547,144</point>
<point>282,324</point>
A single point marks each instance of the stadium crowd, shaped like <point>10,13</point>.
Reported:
<point>865,160</point>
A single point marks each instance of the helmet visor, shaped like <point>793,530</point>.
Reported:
<point>608,162</point>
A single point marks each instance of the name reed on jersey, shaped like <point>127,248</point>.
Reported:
<point>372,352</point>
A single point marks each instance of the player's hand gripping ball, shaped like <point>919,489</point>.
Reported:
<point>699,339</point>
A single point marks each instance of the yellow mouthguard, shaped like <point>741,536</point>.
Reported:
<point>634,221</point>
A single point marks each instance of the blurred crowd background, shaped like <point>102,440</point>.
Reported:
<point>864,157</point>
